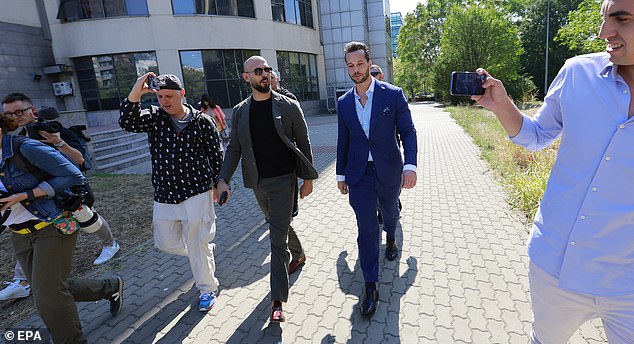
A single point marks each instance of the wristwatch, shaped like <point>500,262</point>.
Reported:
<point>60,144</point>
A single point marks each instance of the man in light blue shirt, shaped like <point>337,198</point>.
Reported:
<point>581,246</point>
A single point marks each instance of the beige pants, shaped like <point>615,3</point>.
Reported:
<point>558,312</point>
<point>187,229</point>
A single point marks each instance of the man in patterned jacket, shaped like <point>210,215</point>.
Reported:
<point>186,160</point>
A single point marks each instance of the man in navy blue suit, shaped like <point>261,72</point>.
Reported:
<point>369,163</point>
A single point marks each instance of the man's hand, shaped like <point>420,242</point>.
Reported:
<point>140,88</point>
<point>52,138</point>
<point>343,187</point>
<point>7,202</point>
<point>497,100</point>
<point>306,188</point>
<point>409,179</point>
<point>220,188</point>
<point>495,95</point>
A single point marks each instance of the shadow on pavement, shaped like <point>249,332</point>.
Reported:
<point>384,325</point>
<point>183,311</point>
<point>252,329</point>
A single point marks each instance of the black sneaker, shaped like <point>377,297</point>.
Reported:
<point>116,300</point>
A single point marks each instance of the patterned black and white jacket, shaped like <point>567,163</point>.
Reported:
<point>185,163</point>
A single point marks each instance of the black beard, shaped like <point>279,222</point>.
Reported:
<point>365,77</point>
<point>262,89</point>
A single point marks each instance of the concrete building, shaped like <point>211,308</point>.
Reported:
<point>396,21</point>
<point>25,47</point>
<point>343,21</point>
<point>83,56</point>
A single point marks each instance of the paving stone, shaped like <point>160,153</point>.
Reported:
<point>466,281</point>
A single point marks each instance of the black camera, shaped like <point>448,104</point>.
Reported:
<point>153,82</point>
<point>49,127</point>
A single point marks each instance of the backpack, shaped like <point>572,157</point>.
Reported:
<point>80,142</point>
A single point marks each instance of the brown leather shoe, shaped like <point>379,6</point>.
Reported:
<point>277,314</point>
<point>296,264</point>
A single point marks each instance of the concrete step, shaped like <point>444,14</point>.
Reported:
<point>114,140</point>
<point>123,163</point>
<point>99,135</point>
<point>107,159</point>
<point>120,144</point>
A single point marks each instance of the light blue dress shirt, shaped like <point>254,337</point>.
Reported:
<point>583,232</point>
<point>364,113</point>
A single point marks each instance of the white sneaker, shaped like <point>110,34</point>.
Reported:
<point>14,291</point>
<point>107,253</point>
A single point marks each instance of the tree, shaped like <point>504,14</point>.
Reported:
<point>480,35</point>
<point>419,44</point>
<point>533,34</point>
<point>581,33</point>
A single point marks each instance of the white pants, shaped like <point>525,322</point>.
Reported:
<point>559,312</point>
<point>187,229</point>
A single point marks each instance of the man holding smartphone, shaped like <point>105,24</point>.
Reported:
<point>270,136</point>
<point>581,246</point>
<point>186,158</point>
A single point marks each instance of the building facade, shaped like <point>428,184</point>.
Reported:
<point>396,21</point>
<point>26,46</point>
<point>83,56</point>
<point>343,21</point>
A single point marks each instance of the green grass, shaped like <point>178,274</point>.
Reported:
<point>523,173</point>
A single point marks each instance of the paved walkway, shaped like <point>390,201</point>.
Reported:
<point>461,277</point>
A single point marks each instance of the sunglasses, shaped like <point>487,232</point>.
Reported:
<point>260,71</point>
<point>375,73</point>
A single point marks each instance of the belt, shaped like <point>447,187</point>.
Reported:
<point>28,227</point>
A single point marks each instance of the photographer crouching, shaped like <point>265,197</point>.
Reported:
<point>40,125</point>
<point>43,234</point>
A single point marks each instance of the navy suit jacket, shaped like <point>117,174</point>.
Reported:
<point>390,115</point>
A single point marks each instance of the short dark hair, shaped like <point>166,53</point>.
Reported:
<point>354,46</point>
<point>16,96</point>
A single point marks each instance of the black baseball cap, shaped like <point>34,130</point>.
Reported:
<point>169,82</point>
<point>47,113</point>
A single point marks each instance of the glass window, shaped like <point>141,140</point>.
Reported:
<point>136,7</point>
<point>306,12</point>
<point>224,7</point>
<point>214,65</point>
<point>289,11</point>
<point>243,8</point>
<point>183,7</point>
<point>114,8</point>
<point>298,73</point>
<point>277,7</point>
<point>314,85</point>
<point>217,73</point>
<point>105,80</point>
<point>92,8</point>
<point>206,6</point>
<point>293,11</point>
<point>70,10</point>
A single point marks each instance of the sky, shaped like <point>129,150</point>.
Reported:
<point>403,6</point>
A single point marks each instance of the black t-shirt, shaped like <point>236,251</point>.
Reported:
<point>272,157</point>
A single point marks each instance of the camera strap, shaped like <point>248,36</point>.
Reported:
<point>4,217</point>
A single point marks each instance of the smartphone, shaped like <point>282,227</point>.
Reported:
<point>152,82</point>
<point>467,83</point>
<point>222,199</point>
